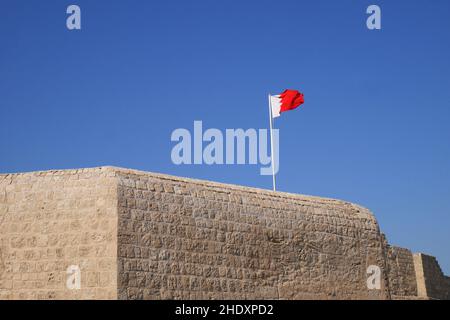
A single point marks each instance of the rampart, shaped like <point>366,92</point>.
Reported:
<point>139,235</point>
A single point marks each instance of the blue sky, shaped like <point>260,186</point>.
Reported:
<point>374,128</point>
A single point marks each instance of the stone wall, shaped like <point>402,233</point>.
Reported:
<point>52,220</point>
<point>401,273</point>
<point>138,235</point>
<point>431,281</point>
<point>189,239</point>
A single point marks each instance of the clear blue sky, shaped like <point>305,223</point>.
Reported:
<point>374,128</point>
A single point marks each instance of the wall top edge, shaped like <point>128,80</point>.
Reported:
<point>122,172</point>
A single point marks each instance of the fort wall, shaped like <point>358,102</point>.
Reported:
<point>52,220</point>
<point>188,239</point>
<point>140,235</point>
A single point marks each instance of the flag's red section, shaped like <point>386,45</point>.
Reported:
<point>291,99</point>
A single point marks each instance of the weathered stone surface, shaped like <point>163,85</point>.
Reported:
<point>138,235</point>
<point>431,282</point>
<point>401,273</point>
<point>51,220</point>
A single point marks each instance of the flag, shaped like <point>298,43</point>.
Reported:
<point>288,100</point>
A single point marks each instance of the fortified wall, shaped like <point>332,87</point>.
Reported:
<point>139,235</point>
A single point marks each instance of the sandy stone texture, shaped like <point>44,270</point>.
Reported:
<point>51,220</point>
<point>140,235</point>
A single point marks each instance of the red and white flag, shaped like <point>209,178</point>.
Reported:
<point>288,100</point>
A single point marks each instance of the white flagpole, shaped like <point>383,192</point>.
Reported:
<point>271,145</point>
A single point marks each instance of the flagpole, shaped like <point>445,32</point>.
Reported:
<point>271,145</point>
